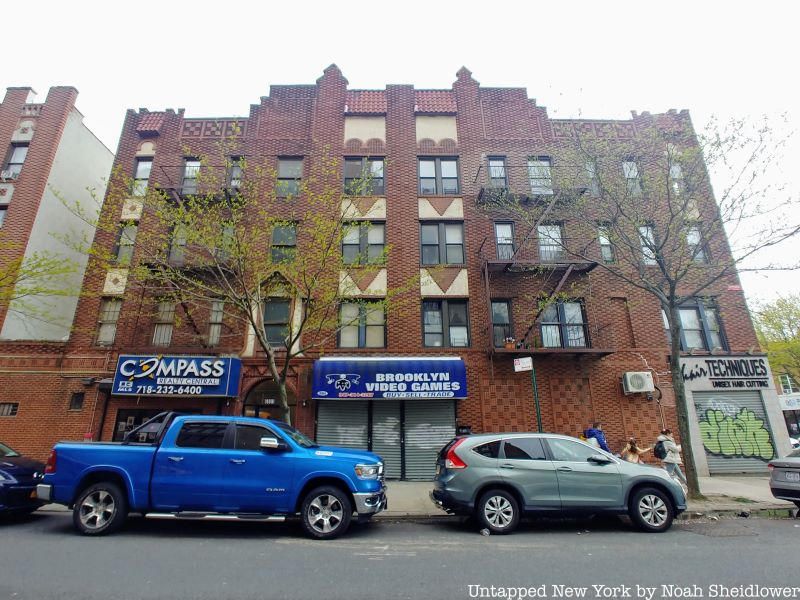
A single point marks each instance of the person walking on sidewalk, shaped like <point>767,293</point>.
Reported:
<point>632,453</point>
<point>670,454</point>
<point>596,432</point>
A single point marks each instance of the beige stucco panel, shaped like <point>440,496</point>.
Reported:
<point>350,211</point>
<point>429,287</point>
<point>378,287</point>
<point>146,149</point>
<point>24,131</point>
<point>454,211</point>
<point>365,128</point>
<point>436,128</point>
<point>132,209</point>
<point>116,281</point>
<point>6,191</point>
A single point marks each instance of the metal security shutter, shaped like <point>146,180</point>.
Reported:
<point>429,425</point>
<point>734,442</point>
<point>386,435</point>
<point>343,423</point>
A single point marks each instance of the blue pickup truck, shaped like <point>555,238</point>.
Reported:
<point>215,468</point>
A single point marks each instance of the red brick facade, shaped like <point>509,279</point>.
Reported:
<point>305,120</point>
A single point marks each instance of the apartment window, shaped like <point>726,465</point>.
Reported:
<point>504,239</point>
<point>284,242</point>
<point>442,243</point>
<point>647,239</point>
<point>177,245</point>
<point>445,323</point>
<point>676,179</point>
<point>125,243</point>
<point>215,322</point>
<point>3,211</point>
<point>107,321</point>
<point>497,172</point>
<point>438,176</point>
<point>363,243</point>
<point>276,321</point>
<point>501,322</point>
<point>227,240</point>
<point>191,169</point>
<point>142,176</point>
<point>694,242</point>
<point>9,409</point>
<point>563,325</point>
<point>631,171</point>
<point>76,400</point>
<point>700,326</point>
<point>551,242</point>
<point>235,173</point>
<point>16,159</point>
<point>788,384</point>
<point>165,321</point>
<point>606,247</point>
<point>591,175</point>
<point>362,325</point>
<point>363,176</point>
<point>540,176</point>
<point>290,173</point>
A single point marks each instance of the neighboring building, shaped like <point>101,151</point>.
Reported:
<point>403,384</point>
<point>789,400</point>
<point>50,158</point>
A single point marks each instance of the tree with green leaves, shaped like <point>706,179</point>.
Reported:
<point>642,209</point>
<point>778,327</point>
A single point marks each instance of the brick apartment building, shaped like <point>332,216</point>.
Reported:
<point>442,365</point>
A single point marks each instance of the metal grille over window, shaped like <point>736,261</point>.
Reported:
<point>563,326</point>
<point>551,243</point>
<point>8,409</point>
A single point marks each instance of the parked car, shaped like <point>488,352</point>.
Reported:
<point>500,477</point>
<point>784,478</point>
<point>18,479</point>
<point>214,467</point>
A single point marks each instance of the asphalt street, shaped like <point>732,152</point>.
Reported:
<point>42,558</point>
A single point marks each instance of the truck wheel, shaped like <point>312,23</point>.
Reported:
<point>100,509</point>
<point>498,511</point>
<point>651,510</point>
<point>326,512</point>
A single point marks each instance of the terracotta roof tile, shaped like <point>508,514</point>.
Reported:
<point>434,101</point>
<point>366,102</point>
<point>150,122</point>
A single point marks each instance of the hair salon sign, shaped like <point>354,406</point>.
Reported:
<point>726,373</point>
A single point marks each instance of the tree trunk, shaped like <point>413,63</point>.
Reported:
<point>280,380</point>
<point>680,403</point>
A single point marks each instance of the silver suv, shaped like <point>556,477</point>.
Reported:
<point>498,477</point>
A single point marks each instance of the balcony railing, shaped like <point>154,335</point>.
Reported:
<point>525,184</point>
<point>552,338</point>
<point>533,251</point>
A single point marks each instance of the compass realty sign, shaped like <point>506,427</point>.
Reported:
<point>396,377</point>
<point>176,376</point>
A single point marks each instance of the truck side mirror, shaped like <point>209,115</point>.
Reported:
<point>272,443</point>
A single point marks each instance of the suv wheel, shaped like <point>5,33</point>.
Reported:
<point>326,512</point>
<point>651,510</point>
<point>100,509</point>
<point>498,511</point>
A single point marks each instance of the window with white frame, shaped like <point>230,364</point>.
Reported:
<point>362,325</point>
<point>141,176</point>
<point>591,175</point>
<point>16,158</point>
<point>647,239</point>
<point>3,211</point>
<point>164,323</point>
<point>676,179</point>
<point>632,180</point>
<point>540,175</point>
<point>235,173</point>
<point>694,242</point>
<point>551,242</point>
<point>215,322</point>
<point>107,320</point>
<point>497,172</point>
<point>191,169</point>
<point>504,240</point>
<point>607,252</point>
<point>788,384</point>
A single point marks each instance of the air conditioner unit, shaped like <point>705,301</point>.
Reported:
<point>8,174</point>
<point>637,382</point>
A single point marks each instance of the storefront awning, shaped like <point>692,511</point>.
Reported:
<point>364,378</point>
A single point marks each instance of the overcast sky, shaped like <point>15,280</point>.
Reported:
<point>590,59</point>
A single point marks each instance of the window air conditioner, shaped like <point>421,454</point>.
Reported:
<point>637,382</point>
<point>8,174</point>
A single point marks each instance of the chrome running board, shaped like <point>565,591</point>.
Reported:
<point>200,516</point>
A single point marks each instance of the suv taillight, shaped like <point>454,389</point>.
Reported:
<point>451,460</point>
<point>50,467</point>
<point>770,466</point>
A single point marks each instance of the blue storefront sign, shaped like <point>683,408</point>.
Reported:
<point>378,377</point>
<point>210,376</point>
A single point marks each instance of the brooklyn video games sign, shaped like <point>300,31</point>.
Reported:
<point>733,372</point>
<point>210,376</point>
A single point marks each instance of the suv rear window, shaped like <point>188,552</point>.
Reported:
<point>489,450</point>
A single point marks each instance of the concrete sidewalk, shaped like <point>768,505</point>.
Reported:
<point>723,495</point>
